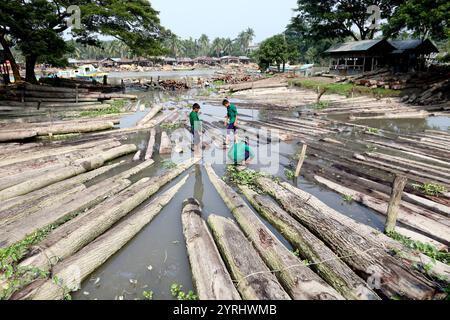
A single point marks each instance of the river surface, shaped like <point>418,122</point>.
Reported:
<point>157,258</point>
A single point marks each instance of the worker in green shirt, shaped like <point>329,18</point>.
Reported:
<point>196,123</point>
<point>230,120</point>
<point>241,153</point>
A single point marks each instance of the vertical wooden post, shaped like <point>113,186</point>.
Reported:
<point>394,202</point>
<point>300,160</point>
<point>76,93</point>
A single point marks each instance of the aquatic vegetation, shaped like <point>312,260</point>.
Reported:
<point>167,164</point>
<point>296,253</point>
<point>245,177</point>
<point>430,189</point>
<point>112,109</point>
<point>424,248</point>
<point>289,174</point>
<point>372,130</point>
<point>320,105</point>
<point>148,295</point>
<point>179,294</point>
<point>170,126</point>
<point>347,198</point>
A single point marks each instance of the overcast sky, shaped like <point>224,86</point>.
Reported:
<point>224,18</point>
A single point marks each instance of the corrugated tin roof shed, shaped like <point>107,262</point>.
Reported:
<point>425,46</point>
<point>362,45</point>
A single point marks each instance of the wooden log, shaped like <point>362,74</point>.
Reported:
<point>13,135</point>
<point>35,197</point>
<point>78,267</point>
<point>150,115</point>
<point>329,266</point>
<point>300,160</point>
<point>151,144</point>
<point>137,156</point>
<point>78,232</point>
<point>409,257</point>
<point>80,166</point>
<point>367,258</point>
<point>298,280</point>
<point>166,145</point>
<point>394,202</point>
<point>254,279</point>
<point>75,128</point>
<point>210,276</point>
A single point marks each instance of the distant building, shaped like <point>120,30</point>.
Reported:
<point>368,55</point>
<point>211,61</point>
<point>229,59</point>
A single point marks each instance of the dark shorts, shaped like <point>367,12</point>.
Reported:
<point>231,127</point>
<point>195,136</point>
<point>247,155</point>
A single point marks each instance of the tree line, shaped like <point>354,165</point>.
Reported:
<point>318,24</point>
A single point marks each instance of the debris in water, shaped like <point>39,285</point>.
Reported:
<point>150,267</point>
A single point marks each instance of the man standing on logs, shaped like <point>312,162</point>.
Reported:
<point>195,129</point>
<point>230,120</point>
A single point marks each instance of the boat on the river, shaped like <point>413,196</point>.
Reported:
<point>84,72</point>
<point>183,68</point>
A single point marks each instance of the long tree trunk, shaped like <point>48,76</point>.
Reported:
<point>30,64</point>
<point>364,256</point>
<point>10,57</point>
<point>211,278</point>
<point>299,281</point>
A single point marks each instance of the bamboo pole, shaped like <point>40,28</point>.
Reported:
<point>78,267</point>
<point>254,279</point>
<point>329,266</point>
<point>301,160</point>
<point>211,278</point>
<point>394,203</point>
<point>298,280</point>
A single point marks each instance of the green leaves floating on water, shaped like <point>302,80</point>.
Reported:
<point>290,175</point>
<point>244,177</point>
<point>148,295</point>
<point>176,291</point>
<point>167,164</point>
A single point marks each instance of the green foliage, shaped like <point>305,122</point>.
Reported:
<point>170,126</point>
<point>373,130</point>
<point>148,295</point>
<point>296,253</point>
<point>347,198</point>
<point>425,248</point>
<point>345,89</point>
<point>274,50</point>
<point>320,105</point>
<point>179,294</point>
<point>167,164</point>
<point>245,177</point>
<point>112,109</point>
<point>289,174</point>
<point>421,18</point>
<point>430,189</point>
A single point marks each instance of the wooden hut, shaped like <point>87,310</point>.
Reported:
<point>229,59</point>
<point>411,55</point>
<point>359,56</point>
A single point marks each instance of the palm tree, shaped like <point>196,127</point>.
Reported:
<point>204,45</point>
<point>244,39</point>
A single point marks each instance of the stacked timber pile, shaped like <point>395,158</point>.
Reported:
<point>173,85</point>
<point>430,87</point>
<point>274,82</point>
<point>71,204</point>
<point>343,259</point>
<point>43,93</point>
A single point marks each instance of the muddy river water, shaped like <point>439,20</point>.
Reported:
<point>156,258</point>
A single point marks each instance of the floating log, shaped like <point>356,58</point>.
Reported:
<point>80,166</point>
<point>426,225</point>
<point>254,279</point>
<point>151,144</point>
<point>166,145</point>
<point>364,256</point>
<point>150,115</point>
<point>75,128</point>
<point>210,276</point>
<point>394,203</point>
<point>13,135</point>
<point>329,266</point>
<point>137,156</point>
<point>78,232</point>
<point>409,257</point>
<point>78,267</point>
<point>298,280</point>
